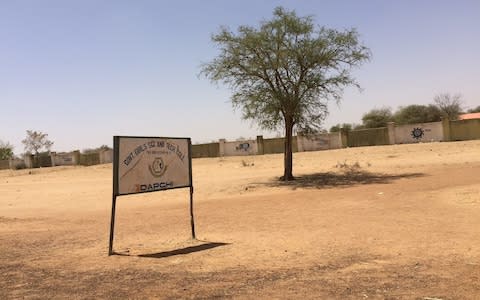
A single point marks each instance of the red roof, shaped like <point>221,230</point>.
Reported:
<point>469,116</point>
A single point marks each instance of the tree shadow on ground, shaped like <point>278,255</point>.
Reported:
<point>183,251</point>
<point>342,179</point>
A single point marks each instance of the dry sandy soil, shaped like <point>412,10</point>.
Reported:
<point>389,222</point>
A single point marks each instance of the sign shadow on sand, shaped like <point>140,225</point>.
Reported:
<point>184,251</point>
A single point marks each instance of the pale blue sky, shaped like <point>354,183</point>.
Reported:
<point>83,71</point>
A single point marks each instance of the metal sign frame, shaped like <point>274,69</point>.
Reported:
<point>115,194</point>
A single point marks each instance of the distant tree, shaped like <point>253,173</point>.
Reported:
<point>36,141</point>
<point>6,151</point>
<point>358,126</point>
<point>417,114</point>
<point>104,148</point>
<point>450,105</point>
<point>284,72</point>
<point>474,110</point>
<point>433,114</point>
<point>335,128</point>
<point>346,126</point>
<point>96,150</point>
<point>378,117</point>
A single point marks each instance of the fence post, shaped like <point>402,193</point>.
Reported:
<point>343,138</point>
<point>300,142</point>
<point>221,147</point>
<point>260,148</point>
<point>446,129</point>
<point>28,160</point>
<point>391,133</point>
<point>76,157</point>
<point>52,157</point>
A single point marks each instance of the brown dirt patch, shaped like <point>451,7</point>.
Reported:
<point>393,222</point>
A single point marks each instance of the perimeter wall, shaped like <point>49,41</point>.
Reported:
<point>445,130</point>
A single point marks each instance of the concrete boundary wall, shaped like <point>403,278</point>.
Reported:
<point>86,159</point>
<point>13,164</point>
<point>368,137</point>
<point>445,130</point>
<point>316,142</point>
<point>64,158</point>
<point>206,150</point>
<point>238,148</point>
<point>277,145</point>
<point>463,130</point>
<point>420,132</point>
<point>89,159</point>
<point>40,161</point>
<point>59,159</point>
<point>106,156</point>
<point>4,164</point>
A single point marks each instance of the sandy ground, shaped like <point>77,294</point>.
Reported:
<point>387,222</point>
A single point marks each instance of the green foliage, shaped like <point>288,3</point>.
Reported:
<point>36,141</point>
<point>449,105</point>
<point>97,150</point>
<point>417,114</point>
<point>285,69</point>
<point>346,126</point>
<point>283,73</point>
<point>474,110</point>
<point>6,151</point>
<point>358,127</point>
<point>43,154</point>
<point>335,128</point>
<point>378,117</point>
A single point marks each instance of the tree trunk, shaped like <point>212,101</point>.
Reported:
<point>287,153</point>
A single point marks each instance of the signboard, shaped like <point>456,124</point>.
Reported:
<point>150,164</point>
<point>146,164</point>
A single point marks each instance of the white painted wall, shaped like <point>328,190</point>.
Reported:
<point>63,159</point>
<point>106,156</point>
<point>239,148</point>
<point>319,142</point>
<point>416,133</point>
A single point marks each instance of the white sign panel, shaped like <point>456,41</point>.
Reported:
<point>147,164</point>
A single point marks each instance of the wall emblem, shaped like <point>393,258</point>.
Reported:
<point>158,167</point>
<point>417,133</point>
<point>242,147</point>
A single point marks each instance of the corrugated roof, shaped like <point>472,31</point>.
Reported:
<point>469,116</point>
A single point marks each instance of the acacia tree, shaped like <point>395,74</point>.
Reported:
<point>346,126</point>
<point>450,105</point>
<point>377,117</point>
<point>35,141</point>
<point>6,150</point>
<point>284,72</point>
<point>417,113</point>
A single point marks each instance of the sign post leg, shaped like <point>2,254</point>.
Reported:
<point>112,225</point>
<point>192,222</point>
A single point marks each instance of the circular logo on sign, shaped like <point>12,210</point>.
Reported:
<point>157,167</point>
<point>417,133</point>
